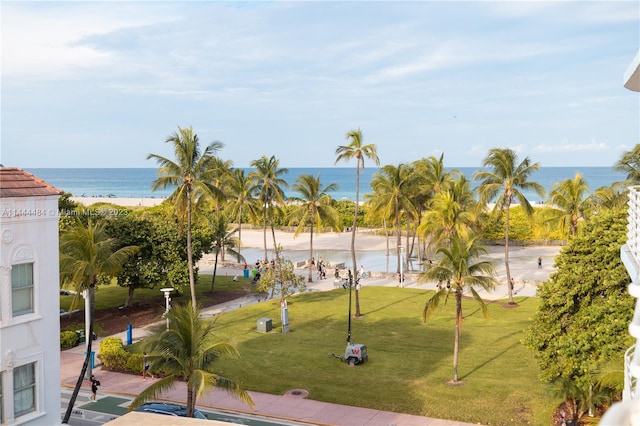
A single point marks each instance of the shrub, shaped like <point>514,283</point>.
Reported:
<point>68,339</point>
<point>113,355</point>
<point>134,363</point>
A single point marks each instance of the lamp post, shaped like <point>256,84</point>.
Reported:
<point>167,297</point>
<point>87,328</point>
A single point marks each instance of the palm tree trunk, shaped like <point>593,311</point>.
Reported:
<point>191,402</point>
<point>310,279</point>
<point>353,238</point>
<point>239,234</point>
<point>273,235</point>
<point>192,281</point>
<point>456,344</point>
<point>386,233</point>
<point>83,371</point>
<point>215,268</point>
<point>506,250</point>
<point>86,366</point>
<point>264,233</point>
<point>398,237</point>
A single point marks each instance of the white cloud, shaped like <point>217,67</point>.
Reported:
<point>566,147</point>
<point>42,40</point>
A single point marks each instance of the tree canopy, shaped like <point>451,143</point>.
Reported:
<point>585,309</point>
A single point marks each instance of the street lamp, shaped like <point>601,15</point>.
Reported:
<point>167,297</point>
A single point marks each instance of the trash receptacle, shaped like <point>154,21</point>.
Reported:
<point>246,273</point>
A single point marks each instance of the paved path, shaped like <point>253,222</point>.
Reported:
<point>524,269</point>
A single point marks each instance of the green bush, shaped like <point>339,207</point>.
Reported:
<point>134,363</point>
<point>68,339</point>
<point>113,355</point>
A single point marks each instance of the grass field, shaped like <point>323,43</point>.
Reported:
<point>409,362</point>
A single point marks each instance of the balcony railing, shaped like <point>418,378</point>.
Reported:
<point>630,255</point>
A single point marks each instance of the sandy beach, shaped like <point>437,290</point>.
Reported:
<point>372,248</point>
<point>523,261</point>
<point>124,202</point>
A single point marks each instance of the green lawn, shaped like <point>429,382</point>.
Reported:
<point>409,362</point>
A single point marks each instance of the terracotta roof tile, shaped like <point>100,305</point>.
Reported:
<point>15,182</point>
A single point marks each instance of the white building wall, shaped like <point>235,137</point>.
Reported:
<point>29,233</point>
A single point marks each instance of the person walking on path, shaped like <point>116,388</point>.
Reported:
<point>145,369</point>
<point>94,387</point>
<point>539,262</point>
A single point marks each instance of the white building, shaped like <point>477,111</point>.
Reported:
<point>627,412</point>
<point>29,300</point>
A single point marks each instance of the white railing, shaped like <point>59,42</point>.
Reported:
<point>630,382</point>
<point>633,225</point>
<point>630,254</point>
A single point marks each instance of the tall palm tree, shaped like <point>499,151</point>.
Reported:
<point>191,173</point>
<point>461,267</point>
<point>356,149</point>
<point>430,176</point>
<point>570,203</point>
<point>269,186</point>
<point>313,208</point>
<point>503,184</point>
<point>187,351</point>
<point>392,188</point>
<point>223,240</point>
<point>86,254</point>
<point>241,198</point>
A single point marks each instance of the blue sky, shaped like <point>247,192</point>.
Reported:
<point>93,84</point>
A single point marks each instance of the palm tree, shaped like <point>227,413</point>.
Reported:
<point>629,164</point>
<point>269,186</point>
<point>503,184</point>
<point>392,188</point>
<point>240,197</point>
<point>86,254</point>
<point>452,212</point>
<point>430,176</point>
<point>461,267</point>
<point>221,175</point>
<point>569,203</point>
<point>313,208</point>
<point>356,149</point>
<point>192,173</point>
<point>223,239</point>
<point>187,351</point>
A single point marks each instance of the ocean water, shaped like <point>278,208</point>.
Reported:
<point>136,183</point>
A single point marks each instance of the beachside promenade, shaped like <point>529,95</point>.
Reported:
<point>290,406</point>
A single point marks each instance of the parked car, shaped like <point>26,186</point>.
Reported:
<point>169,409</point>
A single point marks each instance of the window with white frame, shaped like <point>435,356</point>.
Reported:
<point>24,389</point>
<point>22,289</point>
